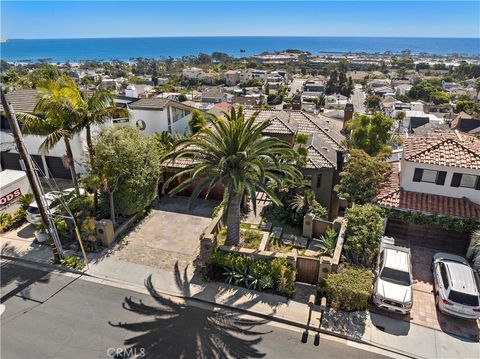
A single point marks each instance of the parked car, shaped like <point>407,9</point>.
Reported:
<point>456,290</point>
<point>393,284</point>
<point>33,213</point>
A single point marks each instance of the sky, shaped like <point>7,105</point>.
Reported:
<point>94,19</point>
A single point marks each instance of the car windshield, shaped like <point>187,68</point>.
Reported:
<point>32,209</point>
<point>463,298</point>
<point>395,276</point>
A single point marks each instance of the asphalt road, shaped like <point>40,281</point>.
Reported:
<point>358,99</point>
<point>296,86</point>
<point>50,315</point>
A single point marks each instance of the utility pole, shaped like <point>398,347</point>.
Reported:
<point>32,177</point>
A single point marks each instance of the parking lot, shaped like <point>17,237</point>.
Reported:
<point>424,311</point>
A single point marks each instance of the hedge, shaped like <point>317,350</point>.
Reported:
<point>350,288</point>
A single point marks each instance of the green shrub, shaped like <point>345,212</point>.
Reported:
<point>229,260</point>
<point>349,289</point>
<point>265,274</point>
<point>19,214</point>
<point>364,230</point>
<point>434,220</point>
<point>72,262</point>
<point>6,221</point>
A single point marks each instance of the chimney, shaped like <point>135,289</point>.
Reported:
<point>347,114</point>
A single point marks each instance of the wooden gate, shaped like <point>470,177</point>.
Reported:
<point>307,270</point>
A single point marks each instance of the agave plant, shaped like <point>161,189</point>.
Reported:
<point>329,242</point>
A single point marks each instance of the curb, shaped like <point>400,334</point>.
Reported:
<point>270,317</point>
<point>52,266</point>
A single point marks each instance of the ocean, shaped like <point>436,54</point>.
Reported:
<point>60,50</point>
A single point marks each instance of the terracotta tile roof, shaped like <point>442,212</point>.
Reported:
<point>430,203</point>
<point>452,149</point>
<point>391,195</point>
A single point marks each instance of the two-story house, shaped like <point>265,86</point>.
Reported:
<point>324,151</point>
<point>160,114</point>
<point>438,174</point>
<point>149,115</point>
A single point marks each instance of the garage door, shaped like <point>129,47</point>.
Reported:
<point>10,161</point>
<point>429,237</point>
<point>56,167</point>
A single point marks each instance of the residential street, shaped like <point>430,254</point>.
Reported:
<point>52,315</point>
<point>358,98</point>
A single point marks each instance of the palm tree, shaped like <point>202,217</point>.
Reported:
<point>233,152</point>
<point>95,110</point>
<point>55,118</point>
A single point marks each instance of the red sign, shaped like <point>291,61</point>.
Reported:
<point>10,198</point>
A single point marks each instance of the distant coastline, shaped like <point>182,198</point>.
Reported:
<point>106,49</point>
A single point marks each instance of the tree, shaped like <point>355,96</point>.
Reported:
<point>54,117</point>
<point>128,166</point>
<point>361,177</point>
<point>371,134</point>
<point>197,121</point>
<point>373,103</point>
<point>44,72</point>
<point>234,153</point>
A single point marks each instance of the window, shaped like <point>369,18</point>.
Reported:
<point>395,276</point>
<point>429,176</point>
<point>443,273</point>
<point>468,181</point>
<point>463,298</point>
<point>319,180</point>
<point>465,180</point>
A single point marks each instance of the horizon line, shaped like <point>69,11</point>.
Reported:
<point>225,36</point>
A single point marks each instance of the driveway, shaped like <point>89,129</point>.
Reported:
<point>169,234</point>
<point>424,311</point>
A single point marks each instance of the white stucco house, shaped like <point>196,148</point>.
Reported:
<point>193,73</point>
<point>438,173</point>
<point>160,114</point>
<point>150,115</point>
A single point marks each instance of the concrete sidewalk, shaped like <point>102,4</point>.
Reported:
<point>377,330</point>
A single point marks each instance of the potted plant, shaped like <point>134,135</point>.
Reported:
<point>40,234</point>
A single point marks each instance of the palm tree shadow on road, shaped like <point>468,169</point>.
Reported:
<point>179,330</point>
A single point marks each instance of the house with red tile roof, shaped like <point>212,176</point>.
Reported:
<point>438,173</point>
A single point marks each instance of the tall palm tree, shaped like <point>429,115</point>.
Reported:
<point>54,117</point>
<point>91,110</point>
<point>233,152</point>
<point>95,109</point>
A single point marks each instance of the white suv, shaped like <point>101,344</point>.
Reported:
<point>393,285</point>
<point>456,291</point>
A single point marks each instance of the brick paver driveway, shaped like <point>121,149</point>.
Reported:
<point>424,311</point>
<point>168,235</point>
